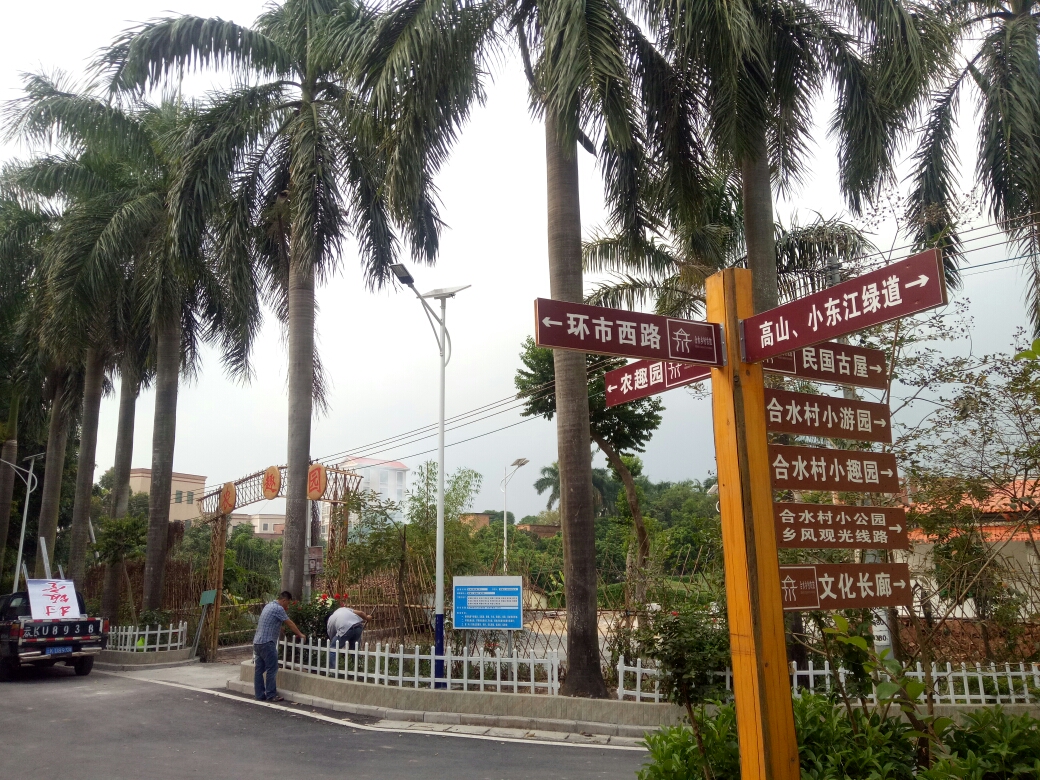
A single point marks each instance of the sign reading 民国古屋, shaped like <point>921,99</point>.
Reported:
<point>897,290</point>
<point>604,331</point>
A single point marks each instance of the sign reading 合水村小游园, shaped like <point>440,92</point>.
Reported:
<point>835,363</point>
<point>488,603</point>
<point>53,599</point>
<point>840,527</point>
<point>644,378</point>
<point>604,331</point>
<point>806,414</point>
<point>815,468</point>
<point>897,290</point>
<point>845,586</point>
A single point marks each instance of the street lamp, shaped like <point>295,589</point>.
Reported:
<point>515,466</point>
<point>444,345</point>
<point>31,481</point>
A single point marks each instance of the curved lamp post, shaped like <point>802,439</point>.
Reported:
<point>31,481</point>
<point>515,466</point>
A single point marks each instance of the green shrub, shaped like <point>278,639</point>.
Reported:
<point>312,616</point>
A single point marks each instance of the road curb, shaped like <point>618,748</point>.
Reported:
<point>109,667</point>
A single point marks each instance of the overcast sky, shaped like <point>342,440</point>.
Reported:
<point>380,356</point>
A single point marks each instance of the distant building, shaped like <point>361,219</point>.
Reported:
<point>388,479</point>
<point>475,521</point>
<point>185,491</point>
<point>541,531</point>
<point>265,526</point>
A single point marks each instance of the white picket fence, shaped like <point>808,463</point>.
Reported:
<point>128,638</point>
<point>961,685</point>
<point>385,665</point>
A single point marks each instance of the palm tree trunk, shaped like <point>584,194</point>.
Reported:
<point>54,467</point>
<point>301,389</point>
<point>93,384</point>
<point>584,676</point>
<point>756,186</point>
<point>129,389</point>
<point>111,591</point>
<point>164,433</point>
<point>9,453</point>
<point>632,497</point>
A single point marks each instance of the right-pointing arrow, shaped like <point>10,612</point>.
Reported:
<point>920,281</point>
<point>900,583</point>
<point>880,422</point>
<point>879,369</point>
<point>887,472</point>
<point>896,528</point>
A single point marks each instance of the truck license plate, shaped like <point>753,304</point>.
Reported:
<point>57,650</point>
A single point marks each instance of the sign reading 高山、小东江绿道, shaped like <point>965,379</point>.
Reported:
<point>807,587</point>
<point>897,290</point>
<point>806,414</point>
<point>815,468</point>
<point>603,331</point>
<point>840,527</point>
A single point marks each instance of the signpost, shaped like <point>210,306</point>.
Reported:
<point>845,586</point>
<point>806,414</point>
<point>575,326</point>
<point>815,468</point>
<point>897,290</point>
<point>840,527</point>
<point>488,603</point>
<point>650,377</point>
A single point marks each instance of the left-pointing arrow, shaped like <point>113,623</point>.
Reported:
<point>549,323</point>
<point>611,388</point>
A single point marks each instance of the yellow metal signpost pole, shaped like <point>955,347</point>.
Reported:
<point>761,682</point>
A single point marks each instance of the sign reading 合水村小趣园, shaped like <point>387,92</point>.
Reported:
<point>815,468</point>
<point>806,414</point>
<point>488,603</point>
<point>53,599</point>
<point>897,290</point>
<point>644,378</point>
<point>807,587</point>
<point>604,331</point>
<point>835,363</point>
<point>840,527</point>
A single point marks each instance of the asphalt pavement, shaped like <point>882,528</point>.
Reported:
<point>57,725</point>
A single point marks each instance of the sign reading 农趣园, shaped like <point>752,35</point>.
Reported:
<point>814,468</point>
<point>649,377</point>
<point>824,415</point>
<point>834,362</point>
<point>53,599</point>
<point>488,603</point>
<point>840,527</point>
<point>603,331</point>
<point>897,290</point>
<point>845,586</point>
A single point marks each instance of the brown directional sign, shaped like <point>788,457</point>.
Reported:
<point>898,290</point>
<point>840,527</point>
<point>824,415</point>
<point>845,586</point>
<point>815,468</point>
<point>840,364</point>
<point>596,329</point>
<point>649,377</point>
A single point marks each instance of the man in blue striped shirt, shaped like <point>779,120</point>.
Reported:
<point>265,646</point>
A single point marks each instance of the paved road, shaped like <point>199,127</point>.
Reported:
<point>55,723</point>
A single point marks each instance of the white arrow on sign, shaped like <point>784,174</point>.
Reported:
<point>879,422</point>
<point>611,388</point>
<point>879,369</point>
<point>896,528</point>
<point>549,323</point>
<point>920,281</point>
<point>887,472</point>
<point>900,583</point>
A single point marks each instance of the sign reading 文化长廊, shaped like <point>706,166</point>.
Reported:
<point>53,599</point>
<point>845,586</point>
<point>840,527</point>
<point>488,603</point>
<point>834,362</point>
<point>897,290</point>
<point>604,331</point>
<point>806,414</point>
<point>814,468</point>
<point>644,378</point>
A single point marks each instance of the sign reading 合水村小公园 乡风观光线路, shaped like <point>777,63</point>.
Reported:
<point>897,290</point>
<point>840,527</point>
<point>807,587</point>
<point>604,331</point>
<point>815,468</point>
<point>808,414</point>
<point>492,603</point>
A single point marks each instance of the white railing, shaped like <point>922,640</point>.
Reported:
<point>148,639</point>
<point>961,685</point>
<point>385,665</point>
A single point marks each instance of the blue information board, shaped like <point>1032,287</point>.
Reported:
<point>488,603</point>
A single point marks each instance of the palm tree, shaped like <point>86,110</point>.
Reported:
<point>756,68</point>
<point>122,254</point>
<point>549,480</point>
<point>293,161</point>
<point>1005,74</point>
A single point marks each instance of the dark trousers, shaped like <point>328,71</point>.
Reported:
<point>350,639</point>
<point>265,661</point>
